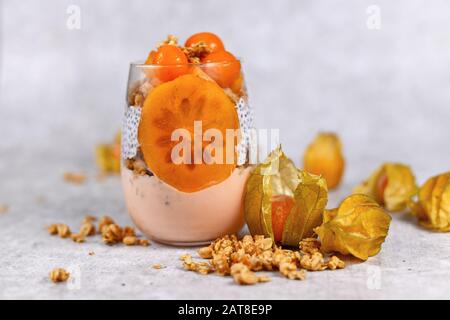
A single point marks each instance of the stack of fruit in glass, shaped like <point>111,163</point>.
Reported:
<point>185,142</point>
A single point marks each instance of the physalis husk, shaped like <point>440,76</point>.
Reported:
<point>392,185</point>
<point>107,156</point>
<point>283,202</point>
<point>324,157</point>
<point>433,205</point>
<point>358,227</point>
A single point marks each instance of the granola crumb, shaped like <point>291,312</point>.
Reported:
<point>335,263</point>
<point>289,270</point>
<point>87,229</point>
<point>63,230</point>
<point>144,242</point>
<point>157,266</point>
<point>59,275</point>
<point>309,245</point>
<point>91,253</point>
<point>196,52</point>
<point>205,253</point>
<point>243,275</point>
<point>75,178</point>
<point>264,279</point>
<point>104,221</point>
<point>171,40</point>
<point>200,267</point>
<point>3,208</point>
<point>112,234</point>
<point>78,238</point>
<point>313,262</point>
<point>138,166</point>
<point>129,231</point>
<point>130,240</point>
<point>52,229</point>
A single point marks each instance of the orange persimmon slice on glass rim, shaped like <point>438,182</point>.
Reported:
<point>178,104</point>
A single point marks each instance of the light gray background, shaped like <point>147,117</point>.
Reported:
<point>310,65</point>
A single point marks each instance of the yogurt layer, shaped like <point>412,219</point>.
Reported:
<point>167,215</point>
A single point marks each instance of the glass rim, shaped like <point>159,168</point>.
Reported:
<point>141,64</point>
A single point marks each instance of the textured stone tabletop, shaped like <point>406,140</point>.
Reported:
<point>413,263</point>
<point>384,91</point>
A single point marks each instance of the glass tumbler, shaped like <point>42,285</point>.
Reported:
<point>185,150</point>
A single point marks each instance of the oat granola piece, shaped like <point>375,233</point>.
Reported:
<point>91,253</point>
<point>52,229</point>
<point>157,266</point>
<point>313,262</point>
<point>130,240</point>
<point>76,178</point>
<point>139,100</point>
<point>78,238</point>
<point>206,252</point>
<point>59,275</point>
<point>112,234</point>
<point>309,245</point>
<point>104,221</point>
<point>264,278</point>
<point>196,52</point>
<point>63,230</point>
<point>289,270</point>
<point>136,165</point>
<point>138,92</point>
<point>243,275</point>
<point>200,267</point>
<point>87,229</point>
<point>335,263</point>
<point>220,263</point>
<point>144,242</point>
<point>170,40</point>
<point>129,231</point>
<point>264,243</point>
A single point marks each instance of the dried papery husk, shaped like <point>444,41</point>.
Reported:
<point>277,176</point>
<point>358,227</point>
<point>432,207</point>
<point>399,187</point>
<point>310,198</point>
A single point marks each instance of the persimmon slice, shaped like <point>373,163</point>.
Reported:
<point>177,105</point>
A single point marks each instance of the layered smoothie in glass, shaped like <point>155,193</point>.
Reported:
<point>185,142</point>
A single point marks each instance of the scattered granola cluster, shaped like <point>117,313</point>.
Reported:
<point>59,275</point>
<point>196,52</point>
<point>76,178</point>
<point>111,232</point>
<point>242,258</point>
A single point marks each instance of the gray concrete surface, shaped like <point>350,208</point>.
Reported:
<point>310,65</point>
